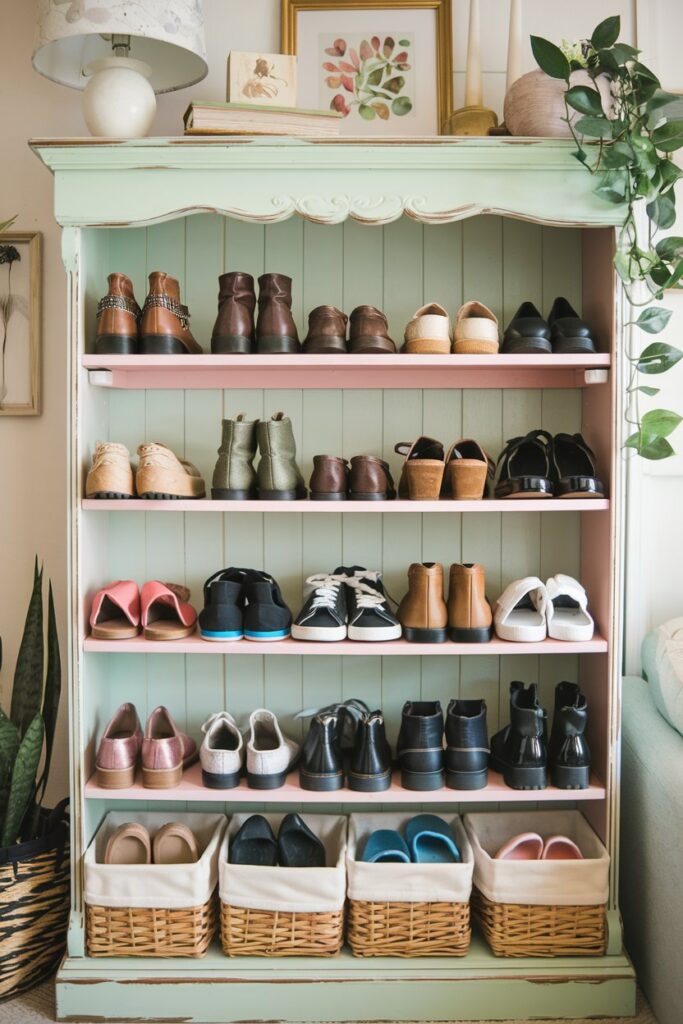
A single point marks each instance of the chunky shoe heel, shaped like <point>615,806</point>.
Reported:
<point>266,781</point>
<point>368,496</point>
<point>481,635</point>
<point>328,496</point>
<point>231,345</point>
<point>320,783</point>
<point>467,780</point>
<point>162,778</point>
<point>233,494</point>
<point>161,345</point>
<point>276,345</point>
<point>565,777</point>
<point>115,778</point>
<point>213,781</point>
<point>293,495</point>
<point>425,636</point>
<point>115,345</point>
<point>525,778</point>
<point>422,781</point>
<point>369,783</point>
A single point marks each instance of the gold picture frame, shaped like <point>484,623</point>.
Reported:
<point>20,322</point>
<point>291,9</point>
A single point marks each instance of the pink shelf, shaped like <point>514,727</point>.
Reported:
<point>191,789</point>
<point>376,371</point>
<point>207,505</point>
<point>195,645</point>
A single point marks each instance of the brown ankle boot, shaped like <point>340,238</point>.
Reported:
<point>233,331</point>
<point>469,613</point>
<point>117,319</point>
<point>422,612</point>
<point>165,323</point>
<point>275,328</point>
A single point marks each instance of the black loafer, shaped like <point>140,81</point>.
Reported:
<point>568,332</point>
<point>297,846</point>
<point>254,844</point>
<point>527,333</point>
<point>573,468</point>
<point>524,467</point>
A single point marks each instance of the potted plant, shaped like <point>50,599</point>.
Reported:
<point>34,841</point>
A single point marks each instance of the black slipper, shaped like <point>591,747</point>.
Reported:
<point>568,332</point>
<point>298,847</point>
<point>524,467</point>
<point>573,468</point>
<point>527,333</point>
<point>254,844</point>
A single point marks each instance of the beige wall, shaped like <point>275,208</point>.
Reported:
<point>32,451</point>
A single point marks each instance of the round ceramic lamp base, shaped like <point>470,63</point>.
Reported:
<point>118,101</point>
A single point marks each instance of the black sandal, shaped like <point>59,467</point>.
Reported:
<point>524,468</point>
<point>574,469</point>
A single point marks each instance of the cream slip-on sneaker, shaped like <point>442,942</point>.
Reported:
<point>475,331</point>
<point>429,332</point>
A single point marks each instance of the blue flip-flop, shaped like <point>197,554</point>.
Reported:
<point>386,846</point>
<point>430,840</point>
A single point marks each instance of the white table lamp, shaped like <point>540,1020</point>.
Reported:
<point>121,52</point>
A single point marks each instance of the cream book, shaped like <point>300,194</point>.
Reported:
<point>244,119</point>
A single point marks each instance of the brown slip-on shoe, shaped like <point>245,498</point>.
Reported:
<point>469,613</point>
<point>129,844</point>
<point>329,479</point>
<point>370,479</point>
<point>369,332</point>
<point>175,843</point>
<point>475,331</point>
<point>166,751</point>
<point>423,469</point>
<point>119,749</point>
<point>326,331</point>
<point>162,475</point>
<point>233,332</point>
<point>467,469</point>
<point>117,319</point>
<point>422,612</point>
<point>165,322</point>
<point>110,475</point>
<point>276,332</point>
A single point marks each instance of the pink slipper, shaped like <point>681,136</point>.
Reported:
<point>561,848</point>
<point>526,846</point>
<point>166,615</point>
<point>115,612</point>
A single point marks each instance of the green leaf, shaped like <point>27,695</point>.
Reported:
<point>585,100</point>
<point>23,780</point>
<point>670,247</point>
<point>596,127</point>
<point>375,77</point>
<point>395,84</point>
<point>612,196</point>
<point>662,99</point>
<point>623,52</point>
<point>27,689</point>
<point>401,106</point>
<point>659,422</point>
<point>550,58</point>
<point>670,172</point>
<point>366,112</point>
<point>645,390</point>
<point>662,212</point>
<point>653,319</point>
<point>9,745</point>
<point>404,42</point>
<point>669,136</point>
<point>53,687</point>
<point>608,62</point>
<point>607,32</point>
<point>655,449</point>
<point>619,154</point>
<point>645,73</point>
<point>622,265</point>
<point>658,357</point>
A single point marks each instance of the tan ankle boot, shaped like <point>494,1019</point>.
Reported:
<point>422,612</point>
<point>165,323</point>
<point>469,613</point>
<point>117,319</point>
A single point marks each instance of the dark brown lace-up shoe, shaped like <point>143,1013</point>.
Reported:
<point>117,319</point>
<point>275,328</point>
<point>165,322</point>
<point>369,332</point>
<point>326,331</point>
<point>233,331</point>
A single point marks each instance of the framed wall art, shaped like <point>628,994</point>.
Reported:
<point>20,322</point>
<point>384,64</point>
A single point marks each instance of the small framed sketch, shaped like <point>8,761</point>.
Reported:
<point>384,64</point>
<point>261,79</point>
<point>20,322</point>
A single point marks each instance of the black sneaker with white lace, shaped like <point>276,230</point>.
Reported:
<point>324,614</point>
<point>369,616</point>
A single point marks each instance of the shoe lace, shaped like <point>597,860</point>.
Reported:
<point>325,588</point>
<point>156,454</point>
<point>109,452</point>
<point>367,596</point>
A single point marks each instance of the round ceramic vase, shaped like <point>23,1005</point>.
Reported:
<point>534,104</point>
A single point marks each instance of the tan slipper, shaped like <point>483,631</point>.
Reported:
<point>162,475</point>
<point>165,612</point>
<point>475,331</point>
<point>175,843</point>
<point>129,844</point>
<point>429,331</point>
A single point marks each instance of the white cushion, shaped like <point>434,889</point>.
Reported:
<point>666,682</point>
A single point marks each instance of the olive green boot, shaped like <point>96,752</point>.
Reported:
<point>279,477</point>
<point>234,478</point>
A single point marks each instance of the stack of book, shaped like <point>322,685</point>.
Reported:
<point>245,119</point>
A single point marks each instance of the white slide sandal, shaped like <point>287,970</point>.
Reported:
<point>520,613</point>
<point>567,610</point>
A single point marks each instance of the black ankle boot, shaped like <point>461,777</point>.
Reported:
<point>420,745</point>
<point>568,752</point>
<point>467,745</point>
<point>519,751</point>
<point>370,765</point>
<point>322,767</point>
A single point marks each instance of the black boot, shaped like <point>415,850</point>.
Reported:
<point>519,751</point>
<point>370,766</point>
<point>568,753</point>
<point>420,745</point>
<point>321,768</point>
<point>467,745</point>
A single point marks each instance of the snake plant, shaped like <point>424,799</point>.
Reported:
<point>27,735</point>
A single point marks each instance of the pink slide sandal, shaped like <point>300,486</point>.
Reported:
<point>526,846</point>
<point>561,848</point>
<point>115,612</point>
<point>166,615</point>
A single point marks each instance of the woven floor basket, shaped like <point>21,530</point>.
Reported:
<point>273,933</point>
<point>144,931</point>
<point>408,929</point>
<point>34,905</point>
<point>514,929</point>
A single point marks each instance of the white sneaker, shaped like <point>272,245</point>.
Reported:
<point>270,755</point>
<point>222,752</point>
<point>567,610</point>
<point>520,613</point>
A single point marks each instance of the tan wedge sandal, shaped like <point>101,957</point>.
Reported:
<point>423,469</point>
<point>468,468</point>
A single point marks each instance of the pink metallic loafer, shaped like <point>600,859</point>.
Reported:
<point>165,751</point>
<point>119,750</point>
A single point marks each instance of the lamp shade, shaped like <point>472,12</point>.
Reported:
<point>168,35</point>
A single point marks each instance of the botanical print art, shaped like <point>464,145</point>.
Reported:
<point>368,76</point>
<point>15,358</point>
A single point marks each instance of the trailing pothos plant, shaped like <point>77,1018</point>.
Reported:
<point>630,155</point>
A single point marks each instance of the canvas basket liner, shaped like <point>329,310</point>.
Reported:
<point>288,890</point>
<point>569,883</point>
<point>165,886</point>
<point>406,883</point>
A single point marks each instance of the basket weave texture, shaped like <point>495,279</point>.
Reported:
<point>145,931</point>
<point>246,932</point>
<point>515,929</point>
<point>408,929</point>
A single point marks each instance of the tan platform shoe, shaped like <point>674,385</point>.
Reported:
<point>117,319</point>
<point>111,475</point>
<point>161,474</point>
<point>468,468</point>
<point>423,469</point>
<point>422,612</point>
<point>469,613</point>
<point>165,322</point>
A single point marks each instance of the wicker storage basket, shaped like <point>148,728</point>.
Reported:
<point>35,881</point>
<point>147,909</point>
<point>407,909</point>
<point>285,911</point>
<point>564,908</point>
